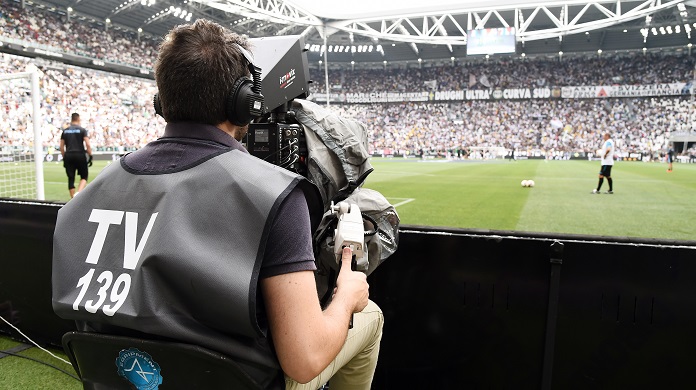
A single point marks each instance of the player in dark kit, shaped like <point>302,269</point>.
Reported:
<point>74,143</point>
<point>670,158</point>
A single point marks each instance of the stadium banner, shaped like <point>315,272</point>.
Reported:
<point>440,96</point>
<point>387,97</point>
<point>620,91</point>
<point>586,92</point>
<point>373,97</point>
<point>56,157</point>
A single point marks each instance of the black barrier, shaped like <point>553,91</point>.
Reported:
<point>470,308</point>
<point>26,242</point>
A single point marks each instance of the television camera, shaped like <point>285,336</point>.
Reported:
<point>276,136</point>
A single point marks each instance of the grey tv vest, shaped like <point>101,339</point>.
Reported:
<point>175,255</point>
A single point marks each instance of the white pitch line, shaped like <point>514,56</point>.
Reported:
<point>404,202</point>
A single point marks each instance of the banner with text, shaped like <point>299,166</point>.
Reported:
<point>620,91</point>
<point>587,92</point>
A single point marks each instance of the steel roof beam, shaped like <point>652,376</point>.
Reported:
<point>277,11</point>
<point>417,28</point>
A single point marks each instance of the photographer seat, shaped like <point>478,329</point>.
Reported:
<point>96,359</point>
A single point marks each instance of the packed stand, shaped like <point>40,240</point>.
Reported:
<point>44,27</point>
<point>116,110</point>
<point>547,127</point>
<point>625,69</point>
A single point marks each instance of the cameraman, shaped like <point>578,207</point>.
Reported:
<point>211,230</point>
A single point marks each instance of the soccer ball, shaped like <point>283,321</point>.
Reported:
<point>600,153</point>
<point>524,183</point>
<point>530,183</point>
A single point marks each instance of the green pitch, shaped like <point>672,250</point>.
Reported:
<point>21,373</point>
<point>648,201</point>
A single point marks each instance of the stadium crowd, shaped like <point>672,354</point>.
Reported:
<point>547,127</point>
<point>117,110</point>
<point>41,26</point>
<point>626,69</point>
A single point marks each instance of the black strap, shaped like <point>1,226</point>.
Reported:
<point>552,313</point>
<point>14,350</point>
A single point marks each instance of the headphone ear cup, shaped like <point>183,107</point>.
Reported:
<point>158,105</point>
<point>237,108</point>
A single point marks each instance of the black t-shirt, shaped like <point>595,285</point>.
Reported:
<point>74,137</point>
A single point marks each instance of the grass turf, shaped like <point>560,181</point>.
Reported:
<point>20,373</point>
<point>648,201</point>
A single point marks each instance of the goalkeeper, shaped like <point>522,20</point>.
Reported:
<point>76,152</point>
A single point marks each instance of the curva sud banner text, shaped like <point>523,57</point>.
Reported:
<point>584,92</point>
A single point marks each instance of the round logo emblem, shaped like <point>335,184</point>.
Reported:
<point>139,369</point>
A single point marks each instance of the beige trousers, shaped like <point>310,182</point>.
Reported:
<point>354,367</point>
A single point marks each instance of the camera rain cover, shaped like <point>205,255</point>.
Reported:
<point>338,164</point>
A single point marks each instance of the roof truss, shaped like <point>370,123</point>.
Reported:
<point>449,28</point>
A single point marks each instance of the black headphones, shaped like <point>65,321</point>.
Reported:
<point>245,102</point>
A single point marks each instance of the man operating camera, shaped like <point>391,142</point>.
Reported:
<point>209,245</point>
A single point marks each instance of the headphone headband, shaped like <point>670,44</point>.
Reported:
<point>253,69</point>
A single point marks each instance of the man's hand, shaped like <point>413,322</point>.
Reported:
<point>89,162</point>
<point>351,286</point>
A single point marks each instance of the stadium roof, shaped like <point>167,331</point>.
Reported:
<point>406,30</point>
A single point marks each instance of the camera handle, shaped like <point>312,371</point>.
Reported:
<point>350,232</point>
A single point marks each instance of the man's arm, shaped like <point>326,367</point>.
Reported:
<point>307,339</point>
<point>62,148</point>
<point>87,146</point>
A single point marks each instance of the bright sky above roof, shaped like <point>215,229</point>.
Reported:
<point>358,9</point>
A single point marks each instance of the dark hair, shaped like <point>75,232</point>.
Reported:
<point>74,117</point>
<point>195,70</point>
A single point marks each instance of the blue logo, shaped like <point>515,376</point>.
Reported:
<point>139,368</point>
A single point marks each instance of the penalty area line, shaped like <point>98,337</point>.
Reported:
<point>406,200</point>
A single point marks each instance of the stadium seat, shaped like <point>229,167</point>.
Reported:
<point>96,358</point>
